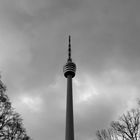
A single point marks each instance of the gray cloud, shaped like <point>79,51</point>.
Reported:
<point>105,47</point>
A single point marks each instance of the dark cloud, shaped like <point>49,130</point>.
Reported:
<point>105,46</point>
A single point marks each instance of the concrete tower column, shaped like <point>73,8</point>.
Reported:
<point>69,111</point>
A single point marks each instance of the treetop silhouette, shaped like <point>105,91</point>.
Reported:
<point>11,126</point>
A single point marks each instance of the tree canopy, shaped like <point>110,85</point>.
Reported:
<point>11,126</point>
<point>126,128</point>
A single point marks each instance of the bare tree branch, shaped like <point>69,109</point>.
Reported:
<point>126,128</point>
<point>11,126</point>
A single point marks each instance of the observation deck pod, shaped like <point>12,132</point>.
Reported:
<point>69,69</point>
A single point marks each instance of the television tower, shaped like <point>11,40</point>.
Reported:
<point>69,70</point>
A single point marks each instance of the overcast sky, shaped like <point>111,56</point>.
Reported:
<point>105,47</point>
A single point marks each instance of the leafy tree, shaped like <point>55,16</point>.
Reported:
<point>11,126</point>
<point>126,128</point>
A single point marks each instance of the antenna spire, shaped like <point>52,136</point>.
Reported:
<point>69,49</point>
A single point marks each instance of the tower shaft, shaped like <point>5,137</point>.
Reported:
<point>69,111</point>
<point>69,70</point>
